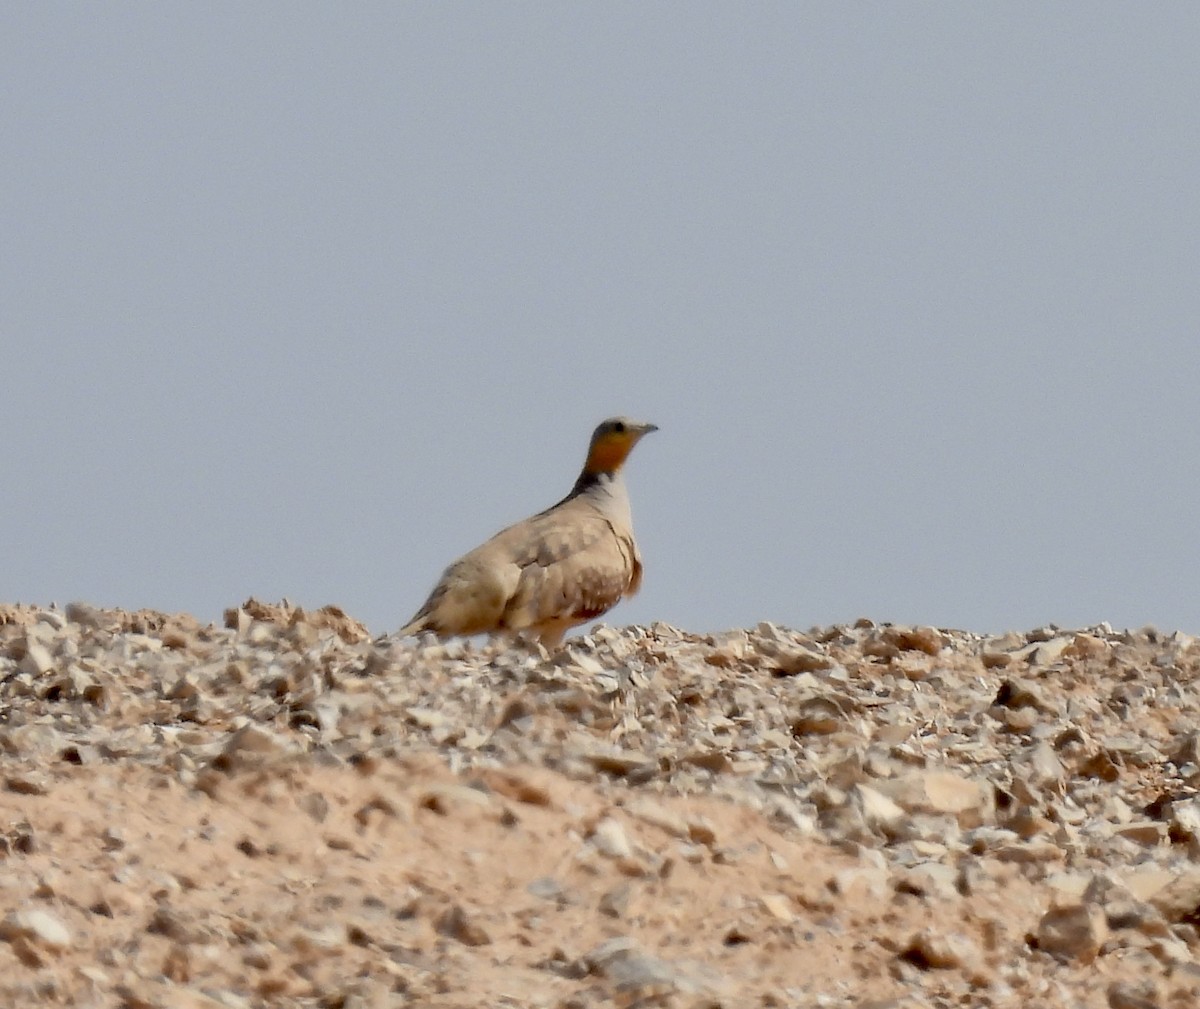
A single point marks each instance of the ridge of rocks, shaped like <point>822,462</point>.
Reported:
<point>865,813</point>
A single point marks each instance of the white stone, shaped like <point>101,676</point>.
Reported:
<point>37,925</point>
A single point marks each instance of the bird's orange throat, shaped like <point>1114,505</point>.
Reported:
<point>607,455</point>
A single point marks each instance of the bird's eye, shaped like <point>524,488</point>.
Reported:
<point>619,427</point>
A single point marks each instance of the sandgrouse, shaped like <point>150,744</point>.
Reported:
<point>559,568</point>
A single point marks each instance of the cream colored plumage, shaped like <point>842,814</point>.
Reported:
<point>559,568</point>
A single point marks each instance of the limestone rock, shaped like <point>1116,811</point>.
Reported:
<point>1074,932</point>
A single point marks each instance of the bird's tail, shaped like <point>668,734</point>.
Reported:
<point>413,627</point>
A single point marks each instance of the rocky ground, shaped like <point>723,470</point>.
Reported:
<point>282,811</point>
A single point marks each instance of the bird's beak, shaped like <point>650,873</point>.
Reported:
<point>647,428</point>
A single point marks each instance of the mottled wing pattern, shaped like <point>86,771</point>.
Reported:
<point>574,568</point>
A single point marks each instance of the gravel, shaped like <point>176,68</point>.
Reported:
<point>286,811</point>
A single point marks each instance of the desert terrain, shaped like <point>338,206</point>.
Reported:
<point>282,810</point>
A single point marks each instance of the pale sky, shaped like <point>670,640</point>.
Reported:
<point>307,299</point>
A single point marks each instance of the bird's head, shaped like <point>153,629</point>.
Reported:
<point>612,442</point>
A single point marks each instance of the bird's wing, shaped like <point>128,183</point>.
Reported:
<point>574,566</point>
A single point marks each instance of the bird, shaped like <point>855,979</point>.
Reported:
<point>555,570</point>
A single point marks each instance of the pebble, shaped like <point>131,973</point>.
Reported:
<point>934,950</point>
<point>877,809</point>
<point>36,925</point>
<point>466,927</point>
<point>620,960</point>
<point>1134,995</point>
<point>610,839</point>
<point>37,661</point>
<point>1073,932</point>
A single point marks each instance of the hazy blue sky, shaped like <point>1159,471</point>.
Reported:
<point>306,300</point>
